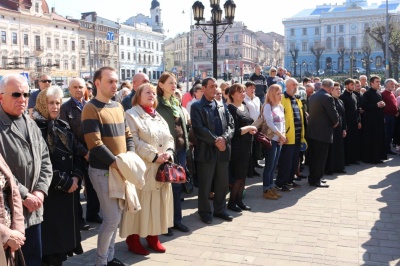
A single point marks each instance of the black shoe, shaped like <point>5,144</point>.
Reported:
<point>341,172</point>
<point>323,181</point>
<point>297,178</point>
<point>321,185</point>
<point>283,188</point>
<point>234,207</point>
<point>224,216</point>
<point>84,226</point>
<point>391,152</point>
<point>244,207</point>
<point>328,172</point>
<point>206,219</point>
<point>293,185</point>
<point>115,262</point>
<point>255,173</point>
<point>95,219</point>
<point>181,227</point>
<point>169,233</point>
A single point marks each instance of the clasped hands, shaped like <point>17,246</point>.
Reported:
<point>15,241</point>
<point>34,200</point>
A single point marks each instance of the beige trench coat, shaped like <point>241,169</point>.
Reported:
<point>151,135</point>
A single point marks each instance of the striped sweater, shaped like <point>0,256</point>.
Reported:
<point>106,132</point>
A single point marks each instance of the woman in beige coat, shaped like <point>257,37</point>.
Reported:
<point>152,140</point>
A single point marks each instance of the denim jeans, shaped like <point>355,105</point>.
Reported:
<point>177,188</point>
<point>390,122</point>
<point>32,249</point>
<point>271,159</point>
<point>111,216</point>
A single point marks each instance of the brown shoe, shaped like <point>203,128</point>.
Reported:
<point>269,195</point>
<point>275,192</point>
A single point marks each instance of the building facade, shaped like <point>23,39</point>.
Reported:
<point>338,34</point>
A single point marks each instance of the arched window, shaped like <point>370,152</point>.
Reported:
<point>341,42</point>
<point>353,42</point>
<point>157,19</point>
<point>329,43</point>
<point>378,62</point>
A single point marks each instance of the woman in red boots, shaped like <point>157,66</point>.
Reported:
<point>152,139</point>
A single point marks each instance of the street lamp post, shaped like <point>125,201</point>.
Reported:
<point>216,20</point>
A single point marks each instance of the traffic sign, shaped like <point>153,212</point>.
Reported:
<point>110,36</point>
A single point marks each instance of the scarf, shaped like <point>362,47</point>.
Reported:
<point>150,110</point>
<point>172,103</point>
<point>56,131</point>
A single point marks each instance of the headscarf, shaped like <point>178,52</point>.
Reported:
<point>173,103</point>
<point>56,132</point>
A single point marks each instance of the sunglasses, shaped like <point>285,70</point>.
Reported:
<point>46,81</point>
<point>19,94</point>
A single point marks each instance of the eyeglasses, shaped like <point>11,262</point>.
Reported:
<point>18,94</point>
<point>218,93</point>
<point>273,70</point>
<point>46,81</point>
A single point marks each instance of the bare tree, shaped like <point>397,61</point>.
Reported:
<point>317,50</point>
<point>295,54</point>
<point>367,51</point>
<point>341,52</point>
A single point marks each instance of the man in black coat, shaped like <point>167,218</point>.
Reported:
<point>323,118</point>
<point>213,127</point>
<point>261,83</point>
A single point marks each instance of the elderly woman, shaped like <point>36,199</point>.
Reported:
<point>272,78</point>
<point>60,226</point>
<point>241,145</point>
<point>171,110</point>
<point>153,141</point>
<point>11,214</point>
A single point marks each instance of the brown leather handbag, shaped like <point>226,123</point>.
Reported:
<point>171,172</point>
<point>263,139</point>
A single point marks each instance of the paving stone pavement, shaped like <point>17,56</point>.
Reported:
<point>354,222</point>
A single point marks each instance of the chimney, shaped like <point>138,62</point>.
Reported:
<point>53,10</point>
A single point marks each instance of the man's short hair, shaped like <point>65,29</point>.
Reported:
<point>205,81</point>
<point>249,83</point>
<point>99,72</point>
<point>373,78</point>
<point>348,81</point>
<point>7,78</point>
<point>327,83</point>
<point>389,81</point>
<point>76,79</point>
<point>197,88</point>
<point>336,84</point>
<point>305,80</point>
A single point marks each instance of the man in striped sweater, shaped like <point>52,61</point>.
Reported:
<point>106,135</point>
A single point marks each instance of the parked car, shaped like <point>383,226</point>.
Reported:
<point>246,77</point>
<point>330,72</point>
<point>318,73</point>
<point>359,70</point>
<point>343,72</point>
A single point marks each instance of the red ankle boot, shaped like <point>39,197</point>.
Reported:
<point>134,245</point>
<point>155,244</point>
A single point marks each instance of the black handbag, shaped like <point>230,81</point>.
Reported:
<point>18,259</point>
<point>187,187</point>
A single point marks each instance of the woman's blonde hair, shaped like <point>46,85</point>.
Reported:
<point>272,69</point>
<point>272,90</point>
<point>138,94</point>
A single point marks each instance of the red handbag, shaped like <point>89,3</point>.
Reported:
<point>171,172</point>
<point>263,139</point>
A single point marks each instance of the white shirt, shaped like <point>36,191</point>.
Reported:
<point>189,105</point>
<point>253,105</point>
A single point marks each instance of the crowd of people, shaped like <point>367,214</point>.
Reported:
<point>113,141</point>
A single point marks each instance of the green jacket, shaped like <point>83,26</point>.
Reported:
<point>166,113</point>
<point>289,120</point>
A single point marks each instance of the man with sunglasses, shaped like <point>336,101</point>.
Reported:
<point>44,83</point>
<point>26,152</point>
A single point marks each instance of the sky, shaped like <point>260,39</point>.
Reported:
<point>264,15</point>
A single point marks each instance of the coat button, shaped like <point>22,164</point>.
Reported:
<point>70,156</point>
<point>63,158</point>
<point>160,145</point>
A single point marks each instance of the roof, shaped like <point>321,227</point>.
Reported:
<point>24,4</point>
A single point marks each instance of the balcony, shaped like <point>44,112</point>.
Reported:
<point>199,45</point>
<point>38,50</point>
<point>176,63</point>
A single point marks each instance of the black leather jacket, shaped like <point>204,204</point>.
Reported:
<point>71,113</point>
<point>202,118</point>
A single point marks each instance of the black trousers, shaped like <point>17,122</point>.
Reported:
<point>215,174</point>
<point>318,154</point>
<point>92,201</point>
<point>287,163</point>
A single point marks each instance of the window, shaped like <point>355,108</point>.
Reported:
<point>140,58</point>
<point>329,43</point>
<point>139,44</point>
<point>4,61</point>
<point>133,42</point>
<point>316,31</point>
<point>328,29</point>
<point>65,64</point>
<point>57,43</point>
<point>227,38</point>
<point>292,46</point>
<point>227,52</point>
<point>157,59</point>
<point>37,7</point>
<point>14,38</point>
<point>304,31</point>
<point>91,45</point>
<point>128,41</point>
<point>3,37</point>
<point>83,62</point>
<point>291,32</point>
<point>83,44</point>
<point>341,42</point>
<point>26,62</point>
<point>341,28</point>
<point>353,42</point>
<point>134,56</point>
<point>122,55</point>
<point>58,63</point>
<point>199,39</point>
<point>48,42</point>
<point>200,53</point>
<point>378,62</point>
<point>65,45</point>
<point>122,40</point>
<point>144,44</point>
<point>73,45</point>
<point>73,65</point>
<point>26,40</point>
<point>304,46</point>
<point>152,45</point>
<point>129,56</point>
<point>37,42</point>
<point>157,46</point>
